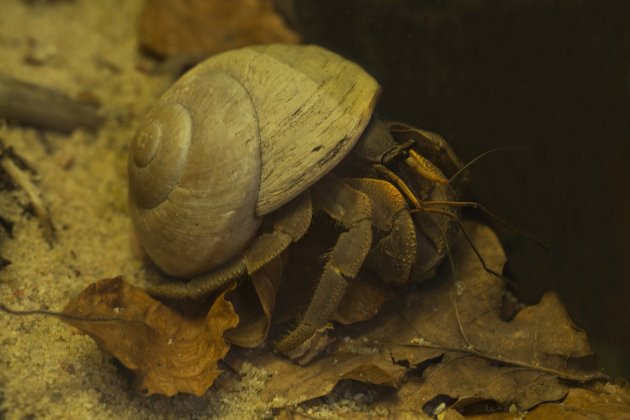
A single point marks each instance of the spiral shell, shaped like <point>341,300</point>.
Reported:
<point>235,138</point>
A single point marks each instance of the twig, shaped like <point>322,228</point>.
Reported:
<point>31,104</point>
<point>571,376</point>
<point>22,179</point>
<point>69,317</point>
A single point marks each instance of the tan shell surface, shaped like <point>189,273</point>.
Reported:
<point>235,138</point>
<point>312,106</point>
<point>184,180</point>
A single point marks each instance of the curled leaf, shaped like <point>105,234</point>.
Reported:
<point>168,352</point>
<point>602,401</point>
<point>254,301</point>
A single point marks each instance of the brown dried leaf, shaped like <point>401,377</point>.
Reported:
<point>292,384</point>
<point>205,27</point>
<point>470,379</point>
<point>597,401</point>
<point>254,301</point>
<point>602,401</point>
<point>362,301</point>
<point>168,352</point>
<point>449,335</point>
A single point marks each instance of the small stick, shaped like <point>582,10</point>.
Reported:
<point>22,179</point>
<point>35,105</point>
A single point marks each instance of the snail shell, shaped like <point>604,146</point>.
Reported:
<point>234,139</point>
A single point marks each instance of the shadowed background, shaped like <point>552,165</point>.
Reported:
<point>550,76</point>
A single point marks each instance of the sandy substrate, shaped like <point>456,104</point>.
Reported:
<point>47,368</point>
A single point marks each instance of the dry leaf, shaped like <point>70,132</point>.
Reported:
<point>168,352</point>
<point>596,401</point>
<point>206,27</point>
<point>602,401</point>
<point>291,384</point>
<point>469,379</point>
<point>254,301</point>
<point>363,300</point>
<point>447,340</point>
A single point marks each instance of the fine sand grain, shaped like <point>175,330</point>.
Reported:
<point>47,368</point>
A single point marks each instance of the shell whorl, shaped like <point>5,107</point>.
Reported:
<point>184,179</point>
<point>160,153</point>
<point>235,138</point>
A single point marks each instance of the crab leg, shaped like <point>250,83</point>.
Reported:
<point>425,168</point>
<point>291,223</point>
<point>393,253</point>
<point>402,186</point>
<point>353,210</point>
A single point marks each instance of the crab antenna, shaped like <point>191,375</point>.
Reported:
<point>451,260</point>
<point>483,208</point>
<point>483,155</point>
<point>492,215</point>
<point>466,236</point>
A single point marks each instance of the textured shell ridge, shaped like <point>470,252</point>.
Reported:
<point>312,105</point>
<point>198,221</point>
<point>265,123</point>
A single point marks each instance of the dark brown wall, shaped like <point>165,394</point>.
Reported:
<point>551,76</point>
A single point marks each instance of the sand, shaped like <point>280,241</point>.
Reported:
<point>47,368</point>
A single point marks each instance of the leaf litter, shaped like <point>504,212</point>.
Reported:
<point>447,339</point>
<point>440,348</point>
<point>254,301</point>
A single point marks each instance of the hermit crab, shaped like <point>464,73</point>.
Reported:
<point>272,134</point>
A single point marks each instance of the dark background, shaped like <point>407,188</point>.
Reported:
<point>551,76</point>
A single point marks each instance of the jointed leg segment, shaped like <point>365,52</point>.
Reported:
<point>394,252</point>
<point>353,210</point>
<point>291,223</point>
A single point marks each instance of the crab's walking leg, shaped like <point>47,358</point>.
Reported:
<point>353,210</point>
<point>393,254</point>
<point>291,223</point>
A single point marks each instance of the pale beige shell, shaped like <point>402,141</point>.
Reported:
<point>235,138</point>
